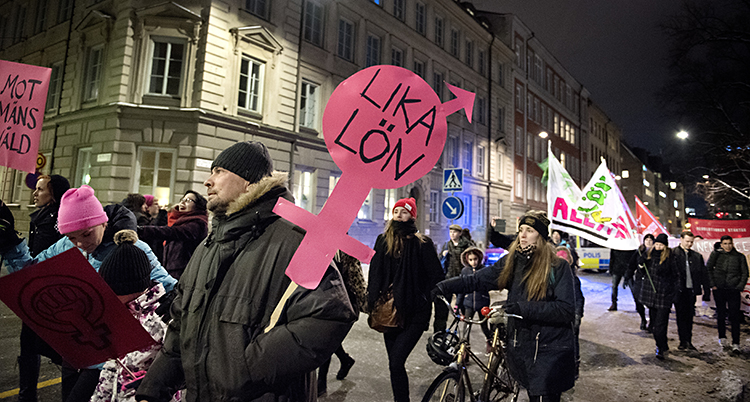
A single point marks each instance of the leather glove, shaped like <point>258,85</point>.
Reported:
<point>512,308</point>
<point>436,291</point>
<point>8,235</point>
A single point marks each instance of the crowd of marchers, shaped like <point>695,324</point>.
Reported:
<point>660,277</point>
<point>229,324</point>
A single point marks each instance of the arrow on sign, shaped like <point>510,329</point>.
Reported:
<point>453,210</point>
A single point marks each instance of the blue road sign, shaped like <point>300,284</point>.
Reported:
<point>453,180</point>
<point>453,207</point>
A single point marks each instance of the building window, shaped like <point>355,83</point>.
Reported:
<point>454,43</point>
<point>479,212</point>
<point>373,50</point>
<point>155,172</point>
<point>257,7</point>
<point>389,202</point>
<point>453,157</point>
<point>519,184</point>
<point>419,68</point>
<point>93,74</point>
<point>481,106</point>
<point>398,9</point>
<point>468,156</point>
<point>519,98</point>
<point>55,85</point>
<point>500,76</point>
<point>420,18</point>
<point>519,140</point>
<point>481,63</point>
<point>332,181</point>
<point>500,209</point>
<point>313,23</point>
<point>480,161</point>
<point>529,188</point>
<point>501,119</point>
<point>346,39</point>
<point>397,57</point>
<point>251,84</point>
<point>465,220</point>
<point>41,16</point>
<point>166,68</point>
<point>439,32</point>
<point>303,189</point>
<point>437,84</point>
<point>500,170</point>
<point>365,212</point>
<point>64,10</point>
<point>469,53</point>
<point>434,206</point>
<point>308,105</point>
<point>83,167</point>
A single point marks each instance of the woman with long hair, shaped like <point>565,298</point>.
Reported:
<point>659,290</point>
<point>186,228</point>
<point>406,263</point>
<point>541,305</point>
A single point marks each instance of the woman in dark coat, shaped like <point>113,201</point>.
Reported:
<point>659,292</point>
<point>635,278</point>
<point>187,227</point>
<point>406,262</point>
<point>541,290</point>
<point>42,234</point>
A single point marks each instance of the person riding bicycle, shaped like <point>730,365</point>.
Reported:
<point>541,308</point>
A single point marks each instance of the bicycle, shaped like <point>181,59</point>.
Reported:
<point>454,385</point>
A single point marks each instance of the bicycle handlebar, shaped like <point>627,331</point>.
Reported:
<point>490,309</point>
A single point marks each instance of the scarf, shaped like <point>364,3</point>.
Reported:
<point>404,229</point>
<point>528,250</point>
<point>177,217</point>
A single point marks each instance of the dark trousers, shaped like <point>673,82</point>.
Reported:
<point>659,322</point>
<point>399,345</point>
<point>728,298</point>
<point>323,369</point>
<point>441,314</point>
<point>78,385</point>
<point>485,325</point>
<point>685,311</point>
<point>616,278</point>
<point>544,398</point>
<point>29,362</point>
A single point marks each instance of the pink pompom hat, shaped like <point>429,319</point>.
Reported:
<point>79,209</point>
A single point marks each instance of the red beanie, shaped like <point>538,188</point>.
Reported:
<point>409,204</point>
<point>149,200</point>
<point>79,209</point>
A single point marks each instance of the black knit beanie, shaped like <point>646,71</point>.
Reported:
<point>539,223</point>
<point>59,185</point>
<point>249,160</point>
<point>126,269</point>
<point>663,239</point>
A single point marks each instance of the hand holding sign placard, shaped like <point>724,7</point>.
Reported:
<point>23,94</point>
<point>385,128</point>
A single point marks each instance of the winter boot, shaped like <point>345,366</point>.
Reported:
<point>346,364</point>
<point>644,325</point>
<point>613,307</point>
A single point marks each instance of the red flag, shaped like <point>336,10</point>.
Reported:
<point>647,223</point>
<point>70,306</point>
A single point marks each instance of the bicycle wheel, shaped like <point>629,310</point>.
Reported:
<point>503,388</point>
<point>445,388</point>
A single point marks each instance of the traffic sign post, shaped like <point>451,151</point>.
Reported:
<point>453,207</point>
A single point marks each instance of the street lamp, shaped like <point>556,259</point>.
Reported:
<point>683,135</point>
<point>543,134</point>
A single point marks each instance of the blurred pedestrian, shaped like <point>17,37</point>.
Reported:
<point>472,303</point>
<point>451,252</point>
<point>727,273</point>
<point>693,282</point>
<point>187,227</point>
<point>136,203</point>
<point>406,265</point>
<point>661,290</point>
<point>541,307</point>
<point>564,253</point>
<point>636,278</point>
<point>618,265</point>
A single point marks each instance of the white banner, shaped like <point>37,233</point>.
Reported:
<point>598,213</point>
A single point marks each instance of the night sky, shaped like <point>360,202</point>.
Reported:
<point>616,49</point>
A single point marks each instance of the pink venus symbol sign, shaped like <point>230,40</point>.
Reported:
<point>385,128</point>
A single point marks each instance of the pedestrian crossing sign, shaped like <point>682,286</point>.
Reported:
<point>453,180</point>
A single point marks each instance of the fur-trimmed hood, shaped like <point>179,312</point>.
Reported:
<point>256,190</point>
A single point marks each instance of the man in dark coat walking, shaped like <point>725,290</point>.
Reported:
<point>693,276</point>
<point>241,330</point>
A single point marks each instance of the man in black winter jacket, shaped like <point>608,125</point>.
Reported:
<point>693,276</point>
<point>727,273</point>
<point>241,330</point>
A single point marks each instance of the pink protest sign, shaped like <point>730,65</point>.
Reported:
<point>23,94</point>
<point>385,128</point>
<point>70,306</point>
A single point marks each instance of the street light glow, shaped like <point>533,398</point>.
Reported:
<point>705,176</point>
<point>682,135</point>
<point>543,134</point>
